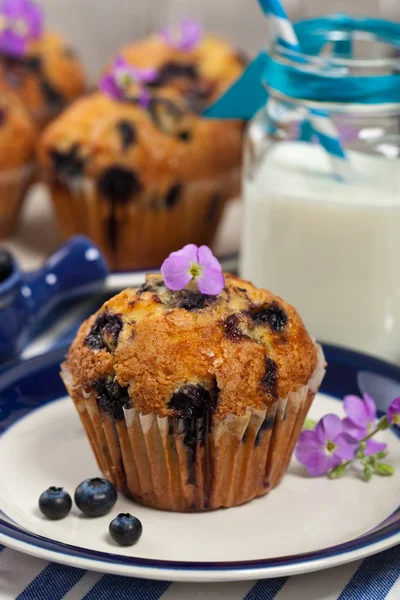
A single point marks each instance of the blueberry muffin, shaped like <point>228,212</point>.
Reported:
<point>193,402</point>
<point>40,66</point>
<point>141,181</point>
<point>201,72</point>
<point>17,147</point>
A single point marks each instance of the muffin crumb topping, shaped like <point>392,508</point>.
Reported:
<point>178,353</point>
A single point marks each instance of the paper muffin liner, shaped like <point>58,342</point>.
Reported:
<point>195,464</point>
<point>142,232</point>
<point>14,184</point>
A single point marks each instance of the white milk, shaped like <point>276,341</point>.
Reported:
<point>332,249</point>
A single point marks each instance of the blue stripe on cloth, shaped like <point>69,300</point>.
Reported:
<point>113,587</point>
<point>266,589</point>
<point>375,577</point>
<point>52,583</point>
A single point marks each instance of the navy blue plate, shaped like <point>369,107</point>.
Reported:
<point>28,385</point>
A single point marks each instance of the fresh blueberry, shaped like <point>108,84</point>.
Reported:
<point>125,529</point>
<point>95,497</point>
<point>55,503</point>
<point>6,264</point>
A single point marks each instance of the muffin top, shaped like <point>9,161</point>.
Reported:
<point>47,77</point>
<point>99,135</point>
<point>175,353</point>
<point>200,73</point>
<point>17,133</point>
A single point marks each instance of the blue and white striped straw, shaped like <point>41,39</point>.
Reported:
<point>323,127</point>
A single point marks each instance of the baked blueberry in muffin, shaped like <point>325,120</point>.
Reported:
<point>193,404</point>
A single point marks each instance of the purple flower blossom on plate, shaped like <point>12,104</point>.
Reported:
<point>196,263</point>
<point>185,35</point>
<point>118,82</point>
<point>361,420</point>
<point>393,412</point>
<point>325,447</point>
<point>20,21</point>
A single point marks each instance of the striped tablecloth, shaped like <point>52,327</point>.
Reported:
<point>27,578</point>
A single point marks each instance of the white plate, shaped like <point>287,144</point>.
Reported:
<point>305,524</point>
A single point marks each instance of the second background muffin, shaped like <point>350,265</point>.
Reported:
<point>135,166</point>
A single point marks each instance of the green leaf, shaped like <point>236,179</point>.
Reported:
<point>337,472</point>
<point>383,423</point>
<point>382,454</point>
<point>367,473</point>
<point>384,470</point>
<point>309,424</point>
<point>360,454</point>
<point>372,461</point>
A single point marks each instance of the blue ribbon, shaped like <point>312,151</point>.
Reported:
<point>248,94</point>
<point>322,87</point>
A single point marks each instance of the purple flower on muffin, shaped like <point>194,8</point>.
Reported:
<point>326,446</point>
<point>193,263</point>
<point>393,412</point>
<point>185,36</point>
<point>122,76</point>
<point>20,22</point>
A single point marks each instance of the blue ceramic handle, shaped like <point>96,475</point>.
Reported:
<point>76,269</point>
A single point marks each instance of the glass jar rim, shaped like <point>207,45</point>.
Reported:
<point>316,32</point>
<point>335,82</point>
<point>293,57</point>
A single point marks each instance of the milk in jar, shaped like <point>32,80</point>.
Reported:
<point>331,248</point>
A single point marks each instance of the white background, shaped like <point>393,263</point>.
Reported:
<point>99,27</point>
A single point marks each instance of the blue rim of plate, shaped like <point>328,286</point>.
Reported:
<point>28,385</point>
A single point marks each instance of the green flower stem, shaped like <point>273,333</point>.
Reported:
<point>369,436</point>
<point>369,463</point>
<point>382,424</point>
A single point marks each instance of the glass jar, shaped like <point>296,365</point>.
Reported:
<point>330,247</point>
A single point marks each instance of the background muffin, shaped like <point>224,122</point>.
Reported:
<point>40,66</point>
<point>140,180</point>
<point>193,402</point>
<point>200,66</point>
<point>17,145</point>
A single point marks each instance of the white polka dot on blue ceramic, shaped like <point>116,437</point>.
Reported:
<point>92,254</point>
<point>51,279</point>
<point>26,291</point>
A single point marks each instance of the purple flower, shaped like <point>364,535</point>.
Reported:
<point>361,420</point>
<point>393,412</point>
<point>183,36</point>
<point>20,21</point>
<point>118,82</point>
<point>193,263</point>
<point>325,447</point>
